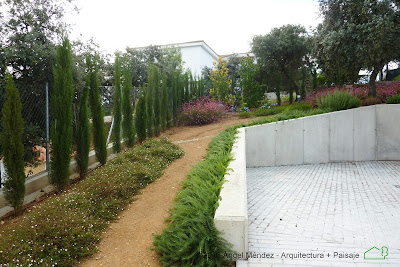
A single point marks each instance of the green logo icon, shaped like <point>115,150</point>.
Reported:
<point>375,253</point>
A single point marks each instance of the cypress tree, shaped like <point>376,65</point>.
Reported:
<point>164,103</point>
<point>186,86</point>
<point>61,134</point>
<point>149,99</point>
<point>128,129</point>
<point>83,134</point>
<point>156,101</point>
<point>12,147</point>
<point>117,111</point>
<point>179,89</point>
<point>141,115</point>
<point>99,133</point>
<point>175,97</point>
<point>201,87</point>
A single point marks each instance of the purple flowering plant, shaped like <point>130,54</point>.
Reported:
<point>202,111</point>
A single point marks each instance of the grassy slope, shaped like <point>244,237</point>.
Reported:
<point>66,228</point>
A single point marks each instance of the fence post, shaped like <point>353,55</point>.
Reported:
<point>47,128</point>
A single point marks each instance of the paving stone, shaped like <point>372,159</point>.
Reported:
<point>324,208</point>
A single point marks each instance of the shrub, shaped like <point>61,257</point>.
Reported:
<point>393,99</point>
<point>221,83</point>
<point>272,109</point>
<point>201,111</point>
<point>338,100</point>
<point>12,147</point>
<point>61,104</point>
<point>65,229</point>
<point>383,91</point>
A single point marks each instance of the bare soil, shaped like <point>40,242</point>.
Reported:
<point>128,241</point>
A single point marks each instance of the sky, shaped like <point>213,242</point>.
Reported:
<point>227,26</point>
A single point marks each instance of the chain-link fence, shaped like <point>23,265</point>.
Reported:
<point>34,107</point>
<point>34,136</point>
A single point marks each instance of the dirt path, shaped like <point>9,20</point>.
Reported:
<point>128,241</point>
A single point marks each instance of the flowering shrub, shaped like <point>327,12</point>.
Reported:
<point>383,91</point>
<point>268,105</point>
<point>244,109</point>
<point>201,111</point>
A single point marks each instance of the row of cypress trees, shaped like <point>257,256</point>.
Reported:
<point>61,127</point>
<point>123,107</point>
<point>157,110</point>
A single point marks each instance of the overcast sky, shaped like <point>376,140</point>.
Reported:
<point>227,26</point>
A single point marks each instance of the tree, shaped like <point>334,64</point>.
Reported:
<point>303,84</point>
<point>168,59</point>
<point>99,133</point>
<point>165,116</point>
<point>61,104</point>
<point>220,80</point>
<point>13,149</point>
<point>156,100</point>
<point>175,88</point>
<point>117,112</point>
<point>150,102</point>
<point>252,91</point>
<point>358,35</point>
<point>186,94</point>
<point>278,88</point>
<point>128,129</point>
<point>233,66</point>
<point>83,134</point>
<point>29,32</point>
<point>283,50</point>
<point>141,115</point>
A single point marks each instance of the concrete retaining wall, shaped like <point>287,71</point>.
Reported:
<point>231,215</point>
<point>362,134</point>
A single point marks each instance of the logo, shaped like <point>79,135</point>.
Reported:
<point>375,253</point>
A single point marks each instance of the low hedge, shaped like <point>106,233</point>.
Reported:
<point>191,238</point>
<point>393,99</point>
<point>66,228</point>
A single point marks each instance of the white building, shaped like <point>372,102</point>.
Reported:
<point>238,55</point>
<point>195,56</point>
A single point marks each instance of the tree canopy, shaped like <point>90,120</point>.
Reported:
<point>283,50</point>
<point>357,35</point>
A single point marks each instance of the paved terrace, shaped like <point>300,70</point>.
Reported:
<point>325,208</point>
